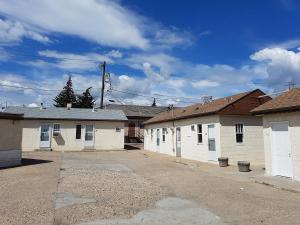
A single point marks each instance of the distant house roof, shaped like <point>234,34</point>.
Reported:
<point>214,107</point>
<point>139,110</point>
<point>65,114</point>
<point>288,101</point>
<point>14,116</point>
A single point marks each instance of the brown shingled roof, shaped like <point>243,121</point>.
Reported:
<point>288,101</point>
<point>200,109</point>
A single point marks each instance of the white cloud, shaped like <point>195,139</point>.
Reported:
<point>205,83</point>
<point>105,22</point>
<point>13,32</point>
<point>71,61</point>
<point>102,21</point>
<point>281,65</point>
<point>32,105</point>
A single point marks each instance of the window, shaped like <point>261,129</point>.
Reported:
<point>151,134</point>
<point>239,133</point>
<point>199,133</point>
<point>164,131</point>
<point>56,130</point>
<point>78,131</point>
<point>192,128</point>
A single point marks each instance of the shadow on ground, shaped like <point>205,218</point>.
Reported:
<point>132,146</point>
<point>28,162</point>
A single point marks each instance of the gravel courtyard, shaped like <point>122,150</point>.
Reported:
<point>136,187</point>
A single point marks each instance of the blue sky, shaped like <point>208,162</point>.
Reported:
<point>186,49</point>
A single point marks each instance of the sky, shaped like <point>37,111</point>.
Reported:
<point>176,51</point>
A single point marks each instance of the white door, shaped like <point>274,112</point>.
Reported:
<point>45,136</point>
<point>281,150</point>
<point>157,139</point>
<point>178,142</point>
<point>89,136</point>
<point>212,153</point>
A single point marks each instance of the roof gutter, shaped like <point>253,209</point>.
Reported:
<point>283,110</point>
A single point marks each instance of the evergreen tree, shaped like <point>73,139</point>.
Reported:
<point>66,96</point>
<point>154,103</point>
<point>86,100</point>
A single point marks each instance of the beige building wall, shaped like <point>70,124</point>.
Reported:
<point>252,148</point>
<point>10,142</point>
<point>190,148</point>
<point>105,135</point>
<point>293,118</point>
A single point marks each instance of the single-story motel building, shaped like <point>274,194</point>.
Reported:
<point>61,129</point>
<point>222,127</point>
<point>10,139</point>
<point>281,132</point>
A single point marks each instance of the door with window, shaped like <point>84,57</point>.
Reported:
<point>281,150</point>
<point>89,136</point>
<point>178,142</point>
<point>45,136</point>
<point>157,139</point>
<point>212,153</point>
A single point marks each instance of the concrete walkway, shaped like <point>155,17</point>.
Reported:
<point>140,187</point>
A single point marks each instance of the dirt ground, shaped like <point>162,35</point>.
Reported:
<point>137,187</point>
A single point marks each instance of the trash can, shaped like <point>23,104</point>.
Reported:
<point>244,166</point>
<point>223,161</point>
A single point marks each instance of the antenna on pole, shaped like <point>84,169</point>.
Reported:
<point>103,66</point>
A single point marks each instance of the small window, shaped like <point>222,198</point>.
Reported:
<point>78,131</point>
<point>118,129</point>
<point>164,131</point>
<point>56,130</point>
<point>199,133</point>
<point>193,128</point>
<point>239,133</point>
<point>151,134</point>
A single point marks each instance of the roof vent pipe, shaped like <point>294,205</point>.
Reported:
<point>42,106</point>
<point>69,106</point>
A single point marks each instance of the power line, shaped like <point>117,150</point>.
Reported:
<point>32,88</point>
<point>149,96</point>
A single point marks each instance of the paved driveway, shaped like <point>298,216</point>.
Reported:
<point>137,187</point>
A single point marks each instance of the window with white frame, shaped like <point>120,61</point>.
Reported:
<point>239,133</point>
<point>56,130</point>
<point>164,132</point>
<point>199,133</point>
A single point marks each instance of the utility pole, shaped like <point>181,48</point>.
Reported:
<point>291,85</point>
<point>103,65</point>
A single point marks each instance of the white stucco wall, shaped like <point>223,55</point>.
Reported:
<point>10,142</point>
<point>293,118</point>
<point>190,148</point>
<point>252,148</point>
<point>105,135</point>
